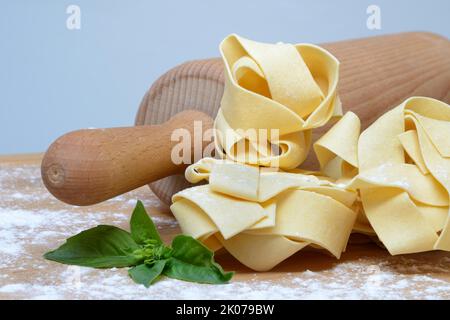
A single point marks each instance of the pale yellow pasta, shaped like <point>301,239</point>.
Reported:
<point>397,221</point>
<point>333,154</point>
<point>229,215</point>
<point>261,252</point>
<point>289,88</point>
<point>401,225</point>
<point>391,181</point>
<point>410,143</point>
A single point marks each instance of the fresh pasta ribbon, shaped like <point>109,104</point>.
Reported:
<point>391,181</point>
<point>403,173</point>
<point>288,88</point>
<point>404,176</point>
<point>275,214</point>
<point>339,160</point>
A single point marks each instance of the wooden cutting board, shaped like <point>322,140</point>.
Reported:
<point>376,74</point>
<point>33,222</point>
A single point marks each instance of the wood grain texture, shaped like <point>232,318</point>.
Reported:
<point>85,167</point>
<point>376,74</point>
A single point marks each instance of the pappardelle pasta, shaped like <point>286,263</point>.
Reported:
<point>391,181</point>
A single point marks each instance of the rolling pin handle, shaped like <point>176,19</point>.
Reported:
<point>89,166</point>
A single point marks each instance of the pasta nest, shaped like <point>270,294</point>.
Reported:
<point>390,182</point>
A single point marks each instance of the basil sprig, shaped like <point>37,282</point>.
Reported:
<point>143,250</point>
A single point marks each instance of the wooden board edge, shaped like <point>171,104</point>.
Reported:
<point>22,158</point>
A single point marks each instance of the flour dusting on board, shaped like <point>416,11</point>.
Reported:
<point>26,232</point>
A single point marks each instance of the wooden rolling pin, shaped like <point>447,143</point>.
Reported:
<point>89,166</point>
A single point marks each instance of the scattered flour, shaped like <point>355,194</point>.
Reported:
<point>26,232</point>
<point>114,284</point>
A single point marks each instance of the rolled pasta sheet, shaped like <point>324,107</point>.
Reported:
<point>283,87</point>
<point>262,184</point>
<point>201,169</point>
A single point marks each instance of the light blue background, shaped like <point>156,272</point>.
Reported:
<point>53,80</point>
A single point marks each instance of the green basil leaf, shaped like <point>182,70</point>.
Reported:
<point>192,261</point>
<point>192,251</point>
<point>99,247</point>
<point>142,227</point>
<point>146,275</point>
<point>181,270</point>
